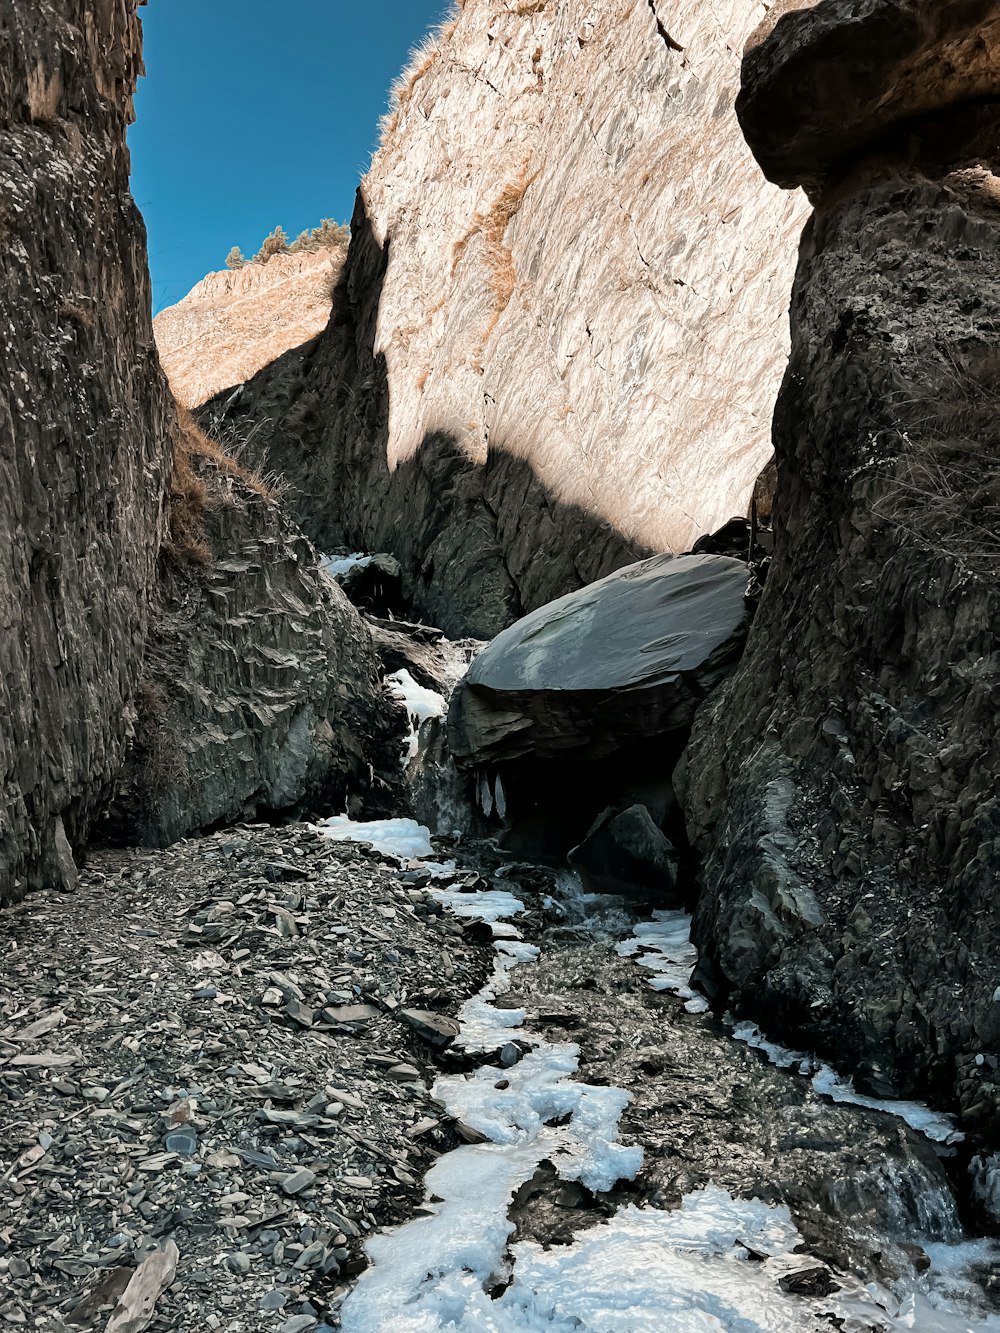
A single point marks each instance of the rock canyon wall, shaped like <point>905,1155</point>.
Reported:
<point>843,787</point>
<point>84,426</point>
<point>561,325</point>
<point>197,639</point>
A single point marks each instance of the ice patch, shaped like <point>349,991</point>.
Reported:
<point>664,946</point>
<point>404,838</point>
<point>644,1271</point>
<point>338,566</point>
<point>934,1125</point>
<point>420,704</point>
<point>484,1026</point>
<point>430,1273</point>
<point>489,905</point>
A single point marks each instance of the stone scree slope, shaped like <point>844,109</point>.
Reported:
<point>843,785</point>
<point>84,425</point>
<point>560,329</point>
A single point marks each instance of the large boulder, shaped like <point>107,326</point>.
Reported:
<point>628,854</point>
<point>625,660</point>
<point>85,425</point>
<point>560,329</point>
<point>843,785</point>
<point>822,82</point>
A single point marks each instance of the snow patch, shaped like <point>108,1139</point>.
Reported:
<point>420,704</point>
<point>339,566</point>
<point>664,946</point>
<point>489,905</point>
<point>404,838</point>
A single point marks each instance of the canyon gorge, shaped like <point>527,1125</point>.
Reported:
<point>498,728</point>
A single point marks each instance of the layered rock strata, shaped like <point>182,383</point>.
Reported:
<point>261,690</point>
<point>84,427</point>
<point>560,328</point>
<point>843,785</point>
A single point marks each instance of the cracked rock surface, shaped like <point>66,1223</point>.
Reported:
<point>843,784</point>
<point>559,331</point>
<point>84,427</point>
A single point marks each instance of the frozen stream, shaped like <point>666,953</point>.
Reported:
<point>715,1263</point>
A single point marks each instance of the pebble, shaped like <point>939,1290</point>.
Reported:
<point>299,1323</point>
<point>184,1142</point>
<point>298,1181</point>
<point>213,1121</point>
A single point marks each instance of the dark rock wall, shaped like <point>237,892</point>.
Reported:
<point>261,690</point>
<point>83,425</point>
<point>843,786</point>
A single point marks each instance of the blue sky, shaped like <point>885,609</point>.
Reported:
<point>256,113</point>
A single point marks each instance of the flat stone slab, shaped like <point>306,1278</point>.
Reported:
<point>624,659</point>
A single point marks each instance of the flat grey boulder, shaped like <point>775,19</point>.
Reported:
<point>628,855</point>
<point>622,660</point>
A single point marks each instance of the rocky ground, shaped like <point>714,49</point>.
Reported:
<point>219,1046</point>
<point>215,1072</point>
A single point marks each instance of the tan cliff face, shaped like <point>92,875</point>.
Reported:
<point>233,323</point>
<point>562,321</point>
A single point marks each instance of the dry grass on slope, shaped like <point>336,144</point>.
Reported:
<point>944,491</point>
<point>492,223</point>
<point>189,495</point>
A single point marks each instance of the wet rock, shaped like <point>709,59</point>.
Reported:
<point>624,660</point>
<point>437,1030</point>
<point>816,1280</point>
<point>627,854</point>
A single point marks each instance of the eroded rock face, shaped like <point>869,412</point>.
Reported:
<point>84,425</point>
<point>843,785</point>
<point>261,691</point>
<point>560,328</point>
<point>231,324</point>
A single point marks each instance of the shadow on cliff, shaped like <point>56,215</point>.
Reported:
<point>479,543</point>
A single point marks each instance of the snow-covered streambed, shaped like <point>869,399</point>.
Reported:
<point>714,1263</point>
